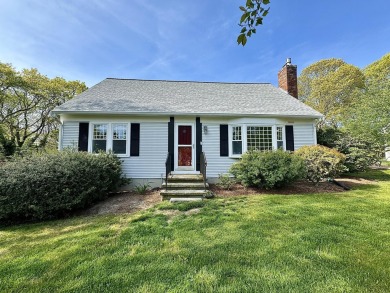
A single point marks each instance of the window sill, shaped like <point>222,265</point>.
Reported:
<point>235,156</point>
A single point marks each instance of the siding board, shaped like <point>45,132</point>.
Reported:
<point>215,163</point>
<point>153,151</point>
<point>303,135</point>
<point>70,134</point>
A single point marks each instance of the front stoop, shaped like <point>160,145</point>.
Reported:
<point>184,186</point>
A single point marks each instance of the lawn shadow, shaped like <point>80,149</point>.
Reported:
<point>373,174</point>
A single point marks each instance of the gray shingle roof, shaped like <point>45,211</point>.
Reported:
<point>130,96</point>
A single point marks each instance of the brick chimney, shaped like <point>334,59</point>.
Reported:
<point>287,78</point>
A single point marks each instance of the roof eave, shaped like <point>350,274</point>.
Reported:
<point>59,112</point>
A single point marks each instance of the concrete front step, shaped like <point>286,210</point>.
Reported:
<point>185,178</point>
<point>186,199</point>
<point>183,193</point>
<point>184,185</point>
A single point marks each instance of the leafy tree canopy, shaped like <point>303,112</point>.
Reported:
<point>26,100</point>
<point>378,72</point>
<point>370,115</point>
<point>330,86</point>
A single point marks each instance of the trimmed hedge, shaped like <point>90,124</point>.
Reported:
<point>52,185</point>
<point>268,169</point>
<point>321,162</point>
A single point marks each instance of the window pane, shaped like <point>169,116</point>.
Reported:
<point>279,133</point>
<point>119,146</point>
<point>259,138</point>
<point>237,147</point>
<point>99,145</point>
<point>119,131</point>
<point>280,144</point>
<point>99,141</point>
<point>100,131</point>
<point>185,135</point>
<point>236,133</point>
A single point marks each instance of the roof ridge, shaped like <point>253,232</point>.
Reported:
<point>192,81</point>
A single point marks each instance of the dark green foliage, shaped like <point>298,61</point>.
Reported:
<point>268,169</point>
<point>321,162</point>
<point>7,147</point>
<point>328,136</point>
<point>51,185</point>
<point>359,154</point>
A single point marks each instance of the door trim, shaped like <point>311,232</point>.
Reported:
<point>193,155</point>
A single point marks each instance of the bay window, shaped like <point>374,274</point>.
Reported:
<point>249,137</point>
<point>279,137</point>
<point>259,138</point>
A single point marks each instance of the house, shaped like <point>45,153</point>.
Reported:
<point>144,120</point>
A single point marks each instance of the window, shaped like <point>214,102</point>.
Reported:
<point>279,137</point>
<point>259,138</point>
<point>99,139</point>
<point>236,140</point>
<point>110,136</point>
<point>119,138</point>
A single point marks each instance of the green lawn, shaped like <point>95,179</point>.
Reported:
<point>266,243</point>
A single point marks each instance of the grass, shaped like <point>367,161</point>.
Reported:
<point>269,243</point>
<point>385,163</point>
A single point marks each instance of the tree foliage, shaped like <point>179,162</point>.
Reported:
<point>252,16</point>
<point>330,86</point>
<point>26,100</point>
<point>370,117</point>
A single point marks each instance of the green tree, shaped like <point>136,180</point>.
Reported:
<point>26,100</point>
<point>330,86</point>
<point>252,16</point>
<point>370,116</point>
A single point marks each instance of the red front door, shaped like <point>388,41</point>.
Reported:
<point>185,147</point>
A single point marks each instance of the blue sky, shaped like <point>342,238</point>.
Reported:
<point>90,40</point>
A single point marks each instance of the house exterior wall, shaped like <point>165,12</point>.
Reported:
<point>304,134</point>
<point>149,166</point>
<point>70,135</point>
<point>210,143</point>
<point>153,151</point>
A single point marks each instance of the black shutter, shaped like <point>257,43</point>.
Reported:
<point>223,140</point>
<point>171,140</point>
<point>134,139</point>
<point>289,138</point>
<point>198,142</point>
<point>83,136</point>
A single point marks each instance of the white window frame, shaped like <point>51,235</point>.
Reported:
<point>109,140</point>
<point>283,136</point>
<point>244,138</point>
<point>231,141</point>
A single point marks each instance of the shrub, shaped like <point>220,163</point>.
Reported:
<point>51,185</point>
<point>225,181</point>
<point>359,154</point>
<point>321,162</point>
<point>268,169</point>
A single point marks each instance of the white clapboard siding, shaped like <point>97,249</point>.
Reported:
<point>152,153</point>
<point>70,134</point>
<point>303,135</point>
<point>215,163</point>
